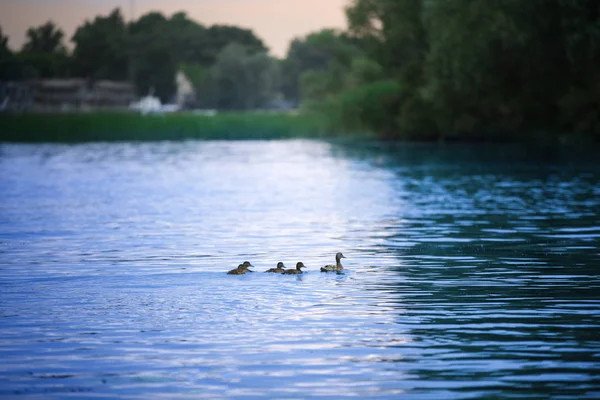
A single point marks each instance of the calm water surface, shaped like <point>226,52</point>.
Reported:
<point>471,272</point>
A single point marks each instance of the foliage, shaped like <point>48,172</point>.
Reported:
<point>9,65</point>
<point>218,37</point>
<point>84,127</point>
<point>240,80</point>
<point>43,65</point>
<point>44,54</point>
<point>478,68</point>
<point>322,85</point>
<point>406,69</point>
<point>364,108</point>
<point>153,62</point>
<point>195,73</point>
<point>390,31</point>
<point>364,71</point>
<point>188,40</point>
<point>45,39</point>
<point>3,43</point>
<point>316,52</point>
<point>148,52</point>
<point>101,48</point>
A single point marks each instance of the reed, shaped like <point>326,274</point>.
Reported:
<point>127,126</point>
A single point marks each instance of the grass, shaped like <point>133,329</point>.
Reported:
<point>127,126</point>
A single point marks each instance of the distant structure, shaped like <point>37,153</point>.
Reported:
<point>15,96</point>
<point>152,105</point>
<point>82,94</point>
<point>51,95</point>
<point>78,94</point>
<point>186,95</point>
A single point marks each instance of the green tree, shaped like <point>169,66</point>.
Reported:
<point>390,31</point>
<point>240,79</point>
<point>504,66</point>
<point>470,67</point>
<point>9,65</point>
<point>317,52</point>
<point>44,39</point>
<point>579,105</point>
<point>154,65</point>
<point>365,71</point>
<point>101,48</point>
<point>189,40</point>
<point>44,54</point>
<point>220,36</point>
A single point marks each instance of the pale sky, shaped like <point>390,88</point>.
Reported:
<point>276,22</point>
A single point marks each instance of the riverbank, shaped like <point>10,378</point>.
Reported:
<point>127,126</point>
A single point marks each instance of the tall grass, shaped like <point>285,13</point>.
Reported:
<point>82,127</point>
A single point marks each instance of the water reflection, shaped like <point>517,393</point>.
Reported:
<point>498,260</point>
<point>472,272</point>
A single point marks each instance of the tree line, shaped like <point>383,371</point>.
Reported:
<point>149,52</point>
<point>467,69</point>
<point>415,69</point>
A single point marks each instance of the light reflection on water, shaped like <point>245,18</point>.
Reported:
<point>470,272</point>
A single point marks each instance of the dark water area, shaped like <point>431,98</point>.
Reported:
<point>471,271</point>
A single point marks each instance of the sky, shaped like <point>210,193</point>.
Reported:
<point>276,22</point>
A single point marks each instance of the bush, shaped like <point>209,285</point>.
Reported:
<point>371,107</point>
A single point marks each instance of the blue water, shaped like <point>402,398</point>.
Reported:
<point>471,272</point>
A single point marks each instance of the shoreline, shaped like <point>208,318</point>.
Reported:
<point>113,126</point>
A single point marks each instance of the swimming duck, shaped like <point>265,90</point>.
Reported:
<point>241,269</point>
<point>279,269</point>
<point>334,268</point>
<point>247,264</point>
<point>295,271</point>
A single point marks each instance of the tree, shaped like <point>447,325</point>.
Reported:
<point>9,65</point>
<point>503,66</point>
<point>189,40</point>
<point>154,65</point>
<point>44,39</point>
<point>5,52</point>
<point>101,48</point>
<point>317,53</point>
<point>220,36</point>
<point>364,71</point>
<point>44,54</point>
<point>390,31</point>
<point>240,79</point>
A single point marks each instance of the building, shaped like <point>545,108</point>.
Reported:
<point>81,94</point>
<point>49,95</point>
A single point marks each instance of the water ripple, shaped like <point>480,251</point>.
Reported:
<point>471,273</point>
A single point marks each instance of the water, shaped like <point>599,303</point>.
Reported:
<point>471,271</point>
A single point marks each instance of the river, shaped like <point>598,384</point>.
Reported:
<point>470,271</point>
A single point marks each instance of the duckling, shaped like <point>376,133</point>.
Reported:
<point>279,269</point>
<point>247,264</point>
<point>295,271</point>
<point>241,269</point>
<point>334,268</point>
<point>237,271</point>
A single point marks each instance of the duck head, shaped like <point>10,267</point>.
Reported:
<point>280,265</point>
<point>339,256</point>
<point>245,266</point>
<point>299,265</point>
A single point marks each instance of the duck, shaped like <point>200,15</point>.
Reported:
<point>296,271</point>
<point>279,269</point>
<point>241,269</point>
<point>247,264</point>
<point>334,268</point>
